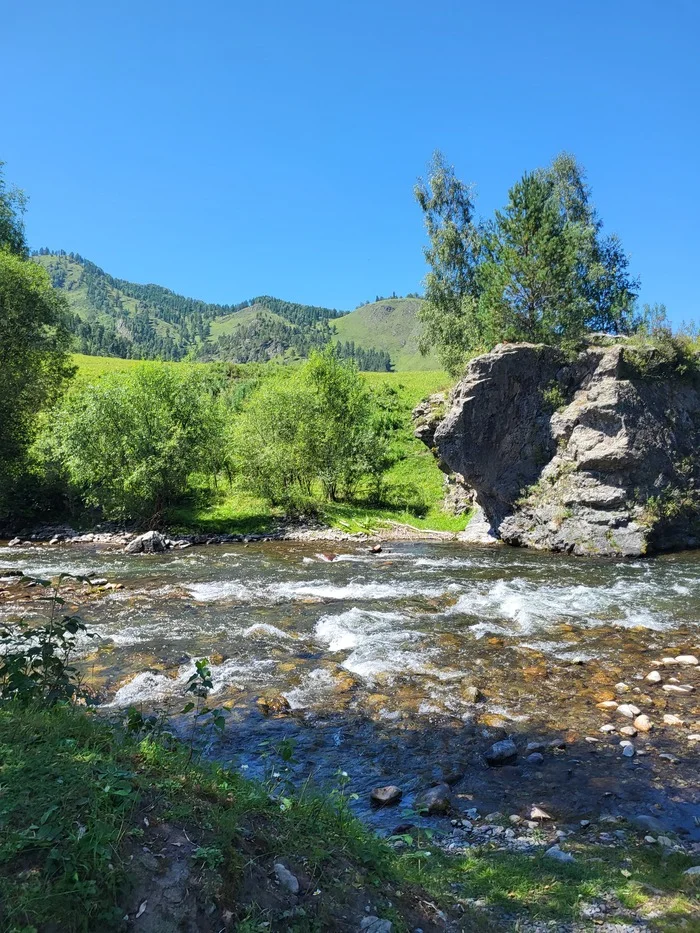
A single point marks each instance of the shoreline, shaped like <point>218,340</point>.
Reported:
<point>300,533</point>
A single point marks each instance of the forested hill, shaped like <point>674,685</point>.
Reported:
<point>114,317</point>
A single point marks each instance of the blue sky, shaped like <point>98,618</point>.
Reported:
<point>226,149</point>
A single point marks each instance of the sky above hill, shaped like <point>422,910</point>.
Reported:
<point>228,149</point>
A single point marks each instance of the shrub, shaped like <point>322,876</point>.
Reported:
<point>132,440</point>
<point>317,429</point>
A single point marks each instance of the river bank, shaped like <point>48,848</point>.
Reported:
<point>116,537</point>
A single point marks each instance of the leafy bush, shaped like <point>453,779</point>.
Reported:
<point>131,441</point>
<point>656,352</point>
<point>317,428</point>
<point>35,659</point>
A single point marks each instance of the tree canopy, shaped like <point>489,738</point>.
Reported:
<point>541,270</point>
<point>34,342</point>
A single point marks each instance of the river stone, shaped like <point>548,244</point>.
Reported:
<point>629,710</point>
<point>622,688</point>
<point>628,730</point>
<point>537,813</point>
<point>688,659</point>
<point>286,879</point>
<point>608,727</point>
<point>556,853</point>
<point>435,801</point>
<point>678,689</point>
<point>643,723</point>
<point>607,704</point>
<point>14,542</point>
<point>629,751</point>
<point>275,704</point>
<point>646,823</point>
<point>672,720</point>
<point>536,758</point>
<point>501,752</point>
<point>693,871</point>
<point>373,924</point>
<point>149,543</point>
<point>386,796</point>
<point>653,677</point>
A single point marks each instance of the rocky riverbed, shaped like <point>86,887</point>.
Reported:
<point>513,699</point>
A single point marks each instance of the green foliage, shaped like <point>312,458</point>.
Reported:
<point>656,352</point>
<point>200,685</point>
<point>553,397</point>
<point>132,440</point>
<point>316,426</point>
<point>453,254</point>
<point>34,343</point>
<point>13,203</point>
<point>540,271</point>
<point>35,659</point>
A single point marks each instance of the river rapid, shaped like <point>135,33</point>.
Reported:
<point>404,667</point>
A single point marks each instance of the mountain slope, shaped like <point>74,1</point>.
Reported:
<point>115,317</point>
<point>392,324</point>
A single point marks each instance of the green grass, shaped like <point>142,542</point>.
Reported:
<point>391,325</point>
<point>81,802</point>
<point>90,367</point>
<point>225,326</point>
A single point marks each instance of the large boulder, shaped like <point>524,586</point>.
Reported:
<point>149,543</point>
<point>584,456</point>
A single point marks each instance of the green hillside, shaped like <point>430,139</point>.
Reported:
<point>118,318</point>
<point>391,324</point>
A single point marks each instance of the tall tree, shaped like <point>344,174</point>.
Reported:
<point>13,203</point>
<point>548,273</point>
<point>34,342</point>
<point>450,318</point>
<point>541,270</point>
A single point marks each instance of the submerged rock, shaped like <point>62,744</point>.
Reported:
<point>572,455</point>
<point>275,704</point>
<point>435,801</point>
<point>501,752</point>
<point>386,796</point>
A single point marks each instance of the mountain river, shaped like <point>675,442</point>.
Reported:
<point>404,667</point>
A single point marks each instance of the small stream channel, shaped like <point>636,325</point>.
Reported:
<point>403,667</point>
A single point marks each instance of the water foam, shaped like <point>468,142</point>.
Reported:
<point>380,643</point>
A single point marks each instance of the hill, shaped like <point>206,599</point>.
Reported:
<point>115,317</point>
<point>392,324</point>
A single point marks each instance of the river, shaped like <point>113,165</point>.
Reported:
<point>403,667</point>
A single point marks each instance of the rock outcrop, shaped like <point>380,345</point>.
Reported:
<point>583,456</point>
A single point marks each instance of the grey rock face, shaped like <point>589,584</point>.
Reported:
<point>584,457</point>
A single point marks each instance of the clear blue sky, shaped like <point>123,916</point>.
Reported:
<point>228,149</point>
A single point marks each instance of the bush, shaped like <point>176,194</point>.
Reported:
<point>656,352</point>
<point>131,441</point>
<point>317,429</point>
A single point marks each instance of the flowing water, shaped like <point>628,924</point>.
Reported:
<point>403,667</point>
